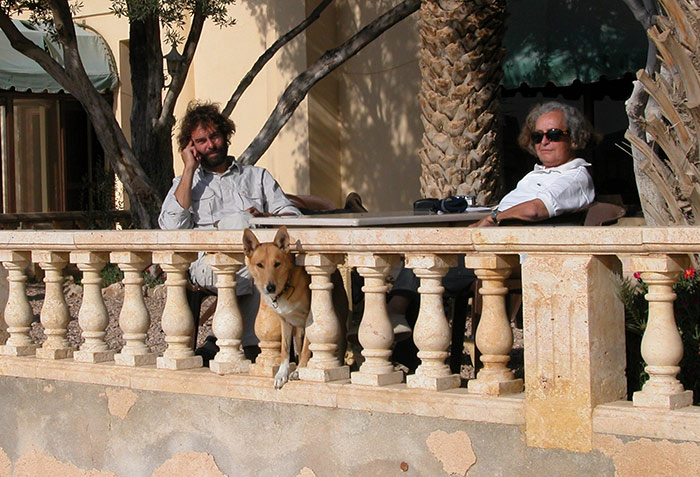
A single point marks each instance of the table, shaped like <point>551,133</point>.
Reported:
<point>374,219</point>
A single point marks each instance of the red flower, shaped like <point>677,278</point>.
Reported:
<point>637,275</point>
<point>690,273</point>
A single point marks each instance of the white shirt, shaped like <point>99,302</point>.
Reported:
<point>562,189</point>
<point>215,196</point>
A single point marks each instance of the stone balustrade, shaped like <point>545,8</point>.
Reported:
<point>573,383</point>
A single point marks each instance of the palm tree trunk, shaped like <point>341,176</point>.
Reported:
<point>461,56</point>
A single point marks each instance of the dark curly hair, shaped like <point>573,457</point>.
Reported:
<point>204,115</point>
<point>580,129</point>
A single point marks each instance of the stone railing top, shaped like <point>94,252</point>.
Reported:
<point>602,240</point>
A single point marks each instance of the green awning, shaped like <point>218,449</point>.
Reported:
<point>560,41</point>
<point>21,73</point>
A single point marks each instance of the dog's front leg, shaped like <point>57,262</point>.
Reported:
<point>282,375</point>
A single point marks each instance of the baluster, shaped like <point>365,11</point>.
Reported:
<point>268,329</point>
<point>432,331</point>
<point>134,319</point>
<point>177,322</point>
<point>92,317</point>
<point>18,312</point>
<point>227,323</point>
<point>662,347</point>
<point>324,329</point>
<point>54,314</point>
<point>376,334</point>
<point>494,335</point>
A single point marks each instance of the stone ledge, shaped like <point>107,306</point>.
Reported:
<point>455,404</point>
<point>622,418</point>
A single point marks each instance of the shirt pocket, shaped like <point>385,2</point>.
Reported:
<point>253,199</point>
<point>203,207</point>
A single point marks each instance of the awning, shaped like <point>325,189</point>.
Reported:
<point>24,74</point>
<point>560,41</point>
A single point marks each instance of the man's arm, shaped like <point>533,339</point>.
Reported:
<point>183,192</point>
<point>276,202</point>
<point>530,211</point>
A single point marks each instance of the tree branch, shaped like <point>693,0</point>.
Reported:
<point>178,81</point>
<point>20,43</point>
<point>297,90</point>
<point>269,53</point>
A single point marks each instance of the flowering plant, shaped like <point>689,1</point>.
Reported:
<point>687,313</point>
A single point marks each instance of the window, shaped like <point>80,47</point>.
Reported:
<point>51,160</point>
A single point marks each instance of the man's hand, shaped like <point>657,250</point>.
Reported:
<point>485,222</point>
<point>190,157</point>
<point>256,213</point>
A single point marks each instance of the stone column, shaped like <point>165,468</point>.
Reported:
<point>54,314</point>
<point>323,331</point>
<point>432,334</point>
<point>662,347</point>
<point>177,322</point>
<point>92,317</point>
<point>494,335</point>
<point>376,334</point>
<point>134,319</point>
<point>574,330</point>
<point>227,323</point>
<point>18,312</point>
<point>268,329</point>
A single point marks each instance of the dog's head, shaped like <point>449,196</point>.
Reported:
<point>271,263</point>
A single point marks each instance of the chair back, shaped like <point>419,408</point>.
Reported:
<point>603,213</point>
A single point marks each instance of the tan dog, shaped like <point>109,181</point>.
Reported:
<point>284,289</point>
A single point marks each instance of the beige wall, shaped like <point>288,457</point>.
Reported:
<point>379,110</point>
<point>359,130</point>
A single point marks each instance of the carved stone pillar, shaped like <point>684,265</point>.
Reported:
<point>177,322</point>
<point>227,323</point>
<point>92,317</point>
<point>494,335</point>
<point>18,312</point>
<point>574,330</point>
<point>324,328</point>
<point>376,334</point>
<point>268,329</point>
<point>432,333</point>
<point>662,347</point>
<point>54,314</point>
<point>134,319</point>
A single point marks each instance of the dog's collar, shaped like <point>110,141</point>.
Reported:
<point>287,286</point>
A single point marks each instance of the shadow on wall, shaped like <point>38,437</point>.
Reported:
<point>376,104</point>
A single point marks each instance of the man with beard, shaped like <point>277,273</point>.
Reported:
<point>215,192</point>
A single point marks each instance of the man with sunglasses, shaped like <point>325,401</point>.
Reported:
<point>554,132</point>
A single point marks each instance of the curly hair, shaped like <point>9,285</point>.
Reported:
<point>205,115</point>
<point>580,129</point>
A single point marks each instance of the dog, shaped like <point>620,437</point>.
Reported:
<point>284,289</point>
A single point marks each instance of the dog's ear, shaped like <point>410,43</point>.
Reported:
<point>250,242</point>
<point>282,239</point>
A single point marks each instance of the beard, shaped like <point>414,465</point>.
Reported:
<point>215,158</point>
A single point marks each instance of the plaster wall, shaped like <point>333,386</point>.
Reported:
<point>60,428</point>
<point>379,110</point>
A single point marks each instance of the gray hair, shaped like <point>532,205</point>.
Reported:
<point>580,129</point>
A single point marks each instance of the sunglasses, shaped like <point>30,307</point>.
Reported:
<point>553,135</point>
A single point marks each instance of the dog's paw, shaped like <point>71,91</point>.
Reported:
<point>280,381</point>
<point>282,376</point>
<point>294,375</point>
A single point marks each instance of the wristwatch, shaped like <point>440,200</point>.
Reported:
<point>494,215</point>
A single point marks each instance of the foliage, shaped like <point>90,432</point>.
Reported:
<point>687,312</point>
<point>111,274</point>
<point>173,13</point>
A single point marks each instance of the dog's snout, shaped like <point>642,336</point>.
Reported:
<point>270,288</point>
